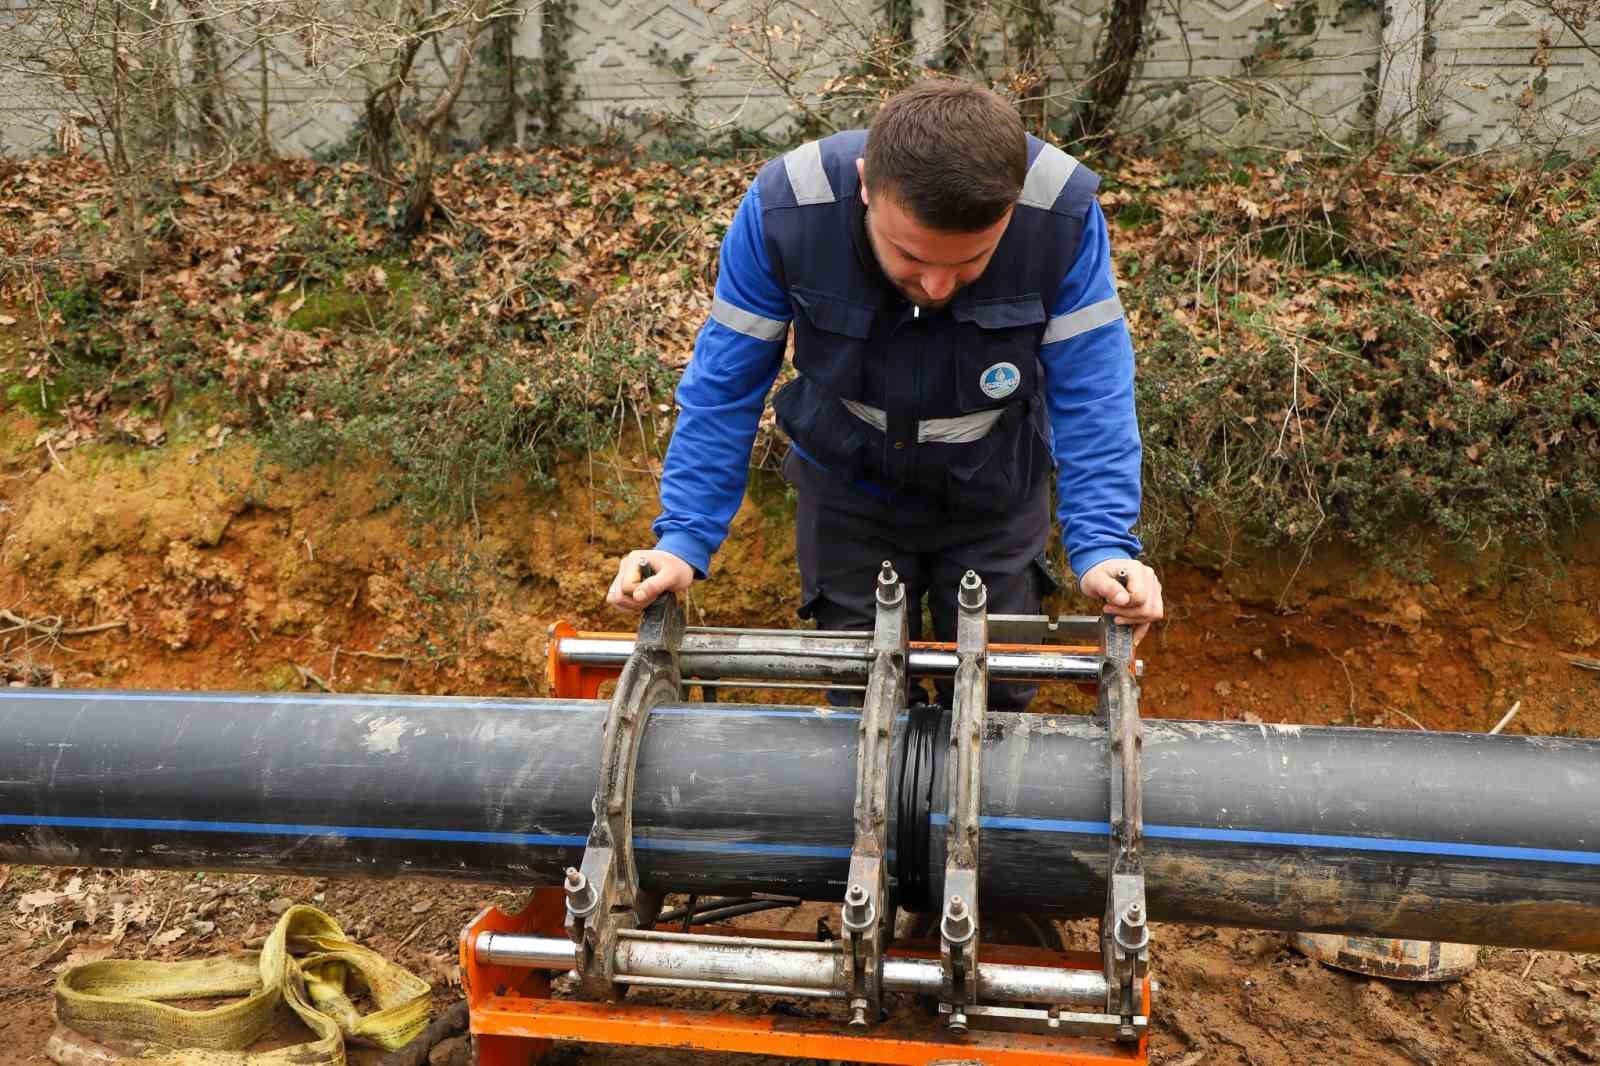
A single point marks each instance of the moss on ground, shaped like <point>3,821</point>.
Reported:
<point>356,301</point>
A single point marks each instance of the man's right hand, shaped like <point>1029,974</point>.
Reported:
<point>631,594</point>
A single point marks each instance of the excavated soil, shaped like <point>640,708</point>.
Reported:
<point>198,566</point>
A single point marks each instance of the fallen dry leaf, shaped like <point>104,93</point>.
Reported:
<point>161,940</point>
<point>29,901</point>
<point>79,956</point>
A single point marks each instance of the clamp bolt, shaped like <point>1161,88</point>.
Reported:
<point>972,594</point>
<point>890,591</point>
<point>858,1014</point>
<point>1130,932</point>
<point>858,911</point>
<point>956,925</point>
<point>580,895</point>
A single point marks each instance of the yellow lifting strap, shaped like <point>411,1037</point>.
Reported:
<point>307,961</point>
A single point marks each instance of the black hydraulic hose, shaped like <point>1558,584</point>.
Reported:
<point>699,908</point>
<point>735,910</point>
<point>1430,835</point>
<point>695,906</point>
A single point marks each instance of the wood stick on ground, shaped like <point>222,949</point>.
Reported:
<point>413,934</point>
<point>307,674</point>
<point>151,938</point>
<point>1410,719</point>
<point>1512,713</point>
<point>56,459</point>
<point>452,1021</point>
<point>1582,663</point>
<point>378,655</point>
<point>56,628</point>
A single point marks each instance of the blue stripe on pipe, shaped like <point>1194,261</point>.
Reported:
<point>380,832</point>
<point>1084,828</point>
<point>1414,847</point>
<point>1298,840</point>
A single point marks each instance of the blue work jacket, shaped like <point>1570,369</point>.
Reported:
<point>1027,367</point>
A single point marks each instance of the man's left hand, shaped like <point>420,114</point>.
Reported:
<point>1138,604</point>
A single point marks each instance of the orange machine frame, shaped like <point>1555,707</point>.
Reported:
<point>576,681</point>
<point>515,1020</point>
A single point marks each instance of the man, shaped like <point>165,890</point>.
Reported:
<point>957,333</point>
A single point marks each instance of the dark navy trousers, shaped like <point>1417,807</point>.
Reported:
<point>844,532</point>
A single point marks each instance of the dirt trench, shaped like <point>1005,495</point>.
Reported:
<point>198,566</point>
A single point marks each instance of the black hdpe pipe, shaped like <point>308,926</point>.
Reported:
<point>1462,837</point>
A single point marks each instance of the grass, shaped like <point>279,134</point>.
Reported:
<point>454,427</point>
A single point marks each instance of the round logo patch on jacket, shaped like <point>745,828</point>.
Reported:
<point>1000,380</point>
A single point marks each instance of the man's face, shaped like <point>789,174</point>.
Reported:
<point>927,265</point>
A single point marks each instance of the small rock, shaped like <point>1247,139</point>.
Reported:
<point>279,905</point>
<point>455,1051</point>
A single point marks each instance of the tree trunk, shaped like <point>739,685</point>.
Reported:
<point>1036,28</point>
<point>420,200</point>
<point>380,113</point>
<point>383,109</point>
<point>423,138</point>
<point>1113,68</point>
<point>502,57</point>
<point>210,127</point>
<point>554,95</point>
<point>899,17</point>
<point>963,49</point>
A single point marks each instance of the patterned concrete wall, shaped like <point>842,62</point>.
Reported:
<point>1198,58</point>
<point>1508,72</point>
<point>1496,74</point>
<point>1190,81</point>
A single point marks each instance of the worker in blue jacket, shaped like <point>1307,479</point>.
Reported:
<point>957,336</point>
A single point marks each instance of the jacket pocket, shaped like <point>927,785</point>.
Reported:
<point>819,424</point>
<point>830,340</point>
<point>999,471</point>
<point>999,358</point>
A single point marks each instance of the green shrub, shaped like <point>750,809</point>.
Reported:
<point>452,426</point>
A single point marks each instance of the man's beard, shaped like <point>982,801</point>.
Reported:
<point>916,297</point>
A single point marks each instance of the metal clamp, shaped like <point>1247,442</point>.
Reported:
<point>1124,936</point>
<point>865,913</point>
<point>958,926</point>
<point>603,895</point>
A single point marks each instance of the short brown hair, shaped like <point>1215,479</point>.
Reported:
<point>951,153</point>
